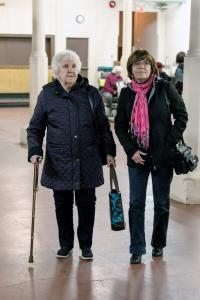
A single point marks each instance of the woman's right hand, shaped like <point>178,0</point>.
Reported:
<point>110,160</point>
<point>36,159</point>
<point>138,158</point>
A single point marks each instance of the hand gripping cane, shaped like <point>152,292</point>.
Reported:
<point>35,189</point>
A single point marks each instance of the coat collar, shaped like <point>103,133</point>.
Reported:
<point>57,88</point>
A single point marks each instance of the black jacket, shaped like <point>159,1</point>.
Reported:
<point>72,159</point>
<point>163,135</point>
<point>164,76</point>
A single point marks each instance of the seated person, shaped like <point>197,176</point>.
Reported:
<point>110,88</point>
<point>101,83</point>
<point>162,74</point>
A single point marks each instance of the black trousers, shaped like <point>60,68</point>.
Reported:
<point>179,87</point>
<point>85,200</point>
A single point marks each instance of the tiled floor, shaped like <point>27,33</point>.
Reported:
<point>109,276</point>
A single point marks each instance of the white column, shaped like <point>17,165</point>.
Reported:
<point>186,188</point>
<point>60,20</point>
<point>127,34</point>
<point>161,34</point>
<point>38,59</point>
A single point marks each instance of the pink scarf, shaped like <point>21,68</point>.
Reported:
<point>139,115</point>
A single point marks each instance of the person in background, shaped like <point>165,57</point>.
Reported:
<point>162,74</point>
<point>144,128</point>
<point>179,72</point>
<point>110,88</point>
<point>72,166</point>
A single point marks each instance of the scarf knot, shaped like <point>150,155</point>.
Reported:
<point>140,116</point>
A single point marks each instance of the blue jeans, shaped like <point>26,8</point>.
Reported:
<point>108,96</point>
<point>161,180</point>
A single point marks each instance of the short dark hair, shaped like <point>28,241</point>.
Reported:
<point>180,57</point>
<point>139,55</point>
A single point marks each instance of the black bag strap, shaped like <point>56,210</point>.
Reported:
<point>96,125</point>
<point>182,141</point>
<point>169,112</point>
<point>113,179</point>
<point>167,102</point>
<point>91,102</point>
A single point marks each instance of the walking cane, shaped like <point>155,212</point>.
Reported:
<point>35,189</point>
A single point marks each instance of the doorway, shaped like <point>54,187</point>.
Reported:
<point>144,28</point>
<point>80,46</point>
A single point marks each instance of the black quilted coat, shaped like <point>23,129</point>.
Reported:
<point>72,159</point>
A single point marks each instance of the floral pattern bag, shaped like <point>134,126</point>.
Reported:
<point>115,203</point>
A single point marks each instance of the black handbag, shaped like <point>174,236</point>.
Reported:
<point>115,203</point>
<point>100,142</point>
<point>185,160</point>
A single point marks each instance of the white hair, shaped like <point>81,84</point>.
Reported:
<point>117,69</point>
<point>60,57</point>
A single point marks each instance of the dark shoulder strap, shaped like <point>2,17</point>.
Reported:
<point>164,85</point>
<point>168,105</point>
<point>166,98</point>
<point>90,100</point>
<point>92,109</point>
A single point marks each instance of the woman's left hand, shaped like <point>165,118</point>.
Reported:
<point>110,161</point>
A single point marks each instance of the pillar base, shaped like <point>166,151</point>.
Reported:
<point>38,76</point>
<point>186,188</point>
<point>23,136</point>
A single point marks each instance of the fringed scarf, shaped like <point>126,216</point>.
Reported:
<point>139,115</point>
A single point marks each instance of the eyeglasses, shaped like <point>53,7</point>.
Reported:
<point>140,63</point>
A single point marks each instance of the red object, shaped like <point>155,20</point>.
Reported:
<point>112,4</point>
<point>159,65</point>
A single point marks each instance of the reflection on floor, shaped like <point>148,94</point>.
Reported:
<point>109,276</point>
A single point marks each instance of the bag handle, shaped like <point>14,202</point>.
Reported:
<point>113,179</point>
<point>182,141</point>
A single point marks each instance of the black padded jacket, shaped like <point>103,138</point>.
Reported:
<point>72,160</point>
<point>167,119</point>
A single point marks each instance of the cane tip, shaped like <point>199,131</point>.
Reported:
<point>30,259</point>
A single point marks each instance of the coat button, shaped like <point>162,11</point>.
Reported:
<point>75,136</point>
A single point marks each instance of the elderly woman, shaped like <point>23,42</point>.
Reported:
<point>72,166</point>
<point>144,128</point>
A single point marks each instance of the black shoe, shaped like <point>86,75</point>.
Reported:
<point>157,252</point>
<point>64,252</point>
<point>87,254</point>
<point>135,259</point>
